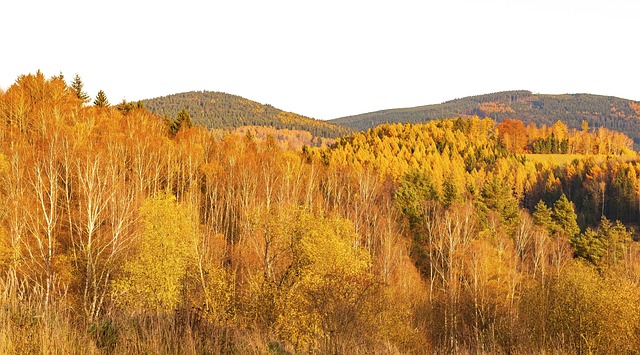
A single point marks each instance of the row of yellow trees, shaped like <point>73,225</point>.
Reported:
<point>118,236</point>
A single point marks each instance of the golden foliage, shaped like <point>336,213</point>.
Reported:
<point>635,106</point>
<point>153,279</point>
<point>492,107</point>
<point>402,239</point>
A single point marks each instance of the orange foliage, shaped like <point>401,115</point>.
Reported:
<point>73,179</point>
<point>513,135</point>
<point>635,106</point>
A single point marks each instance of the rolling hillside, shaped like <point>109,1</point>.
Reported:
<point>220,110</point>
<point>599,111</point>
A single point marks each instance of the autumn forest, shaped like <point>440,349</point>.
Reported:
<point>126,232</point>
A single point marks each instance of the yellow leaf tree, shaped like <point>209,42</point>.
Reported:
<point>154,279</point>
<point>315,279</point>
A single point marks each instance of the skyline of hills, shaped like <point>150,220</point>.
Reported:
<point>218,110</point>
<point>222,110</point>
<point>598,111</point>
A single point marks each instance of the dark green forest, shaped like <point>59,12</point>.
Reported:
<point>217,110</point>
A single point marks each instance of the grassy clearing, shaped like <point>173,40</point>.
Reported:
<point>26,328</point>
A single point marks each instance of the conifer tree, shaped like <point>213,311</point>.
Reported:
<point>124,106</point>
<point>606,245</point>
<point>565,216</point>
<point>542,216</point>
<point>183,120</point>
<point>101,99</point>
<point>77,86</point>
<point>450,191</point>
<point>498,196</point>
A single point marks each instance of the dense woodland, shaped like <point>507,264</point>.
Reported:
<point>217,110</point>
<point>118,235</point>
<point>598,111</point>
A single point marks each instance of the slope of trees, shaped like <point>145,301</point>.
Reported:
<point>120,236</point>
<point>598,111</point>
<point>455,158</point>
<point>222,111</point>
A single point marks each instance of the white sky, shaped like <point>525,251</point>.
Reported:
<point>327,59</point>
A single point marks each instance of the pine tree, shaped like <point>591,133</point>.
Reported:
<point>605,246</point>
<point>565,216</point>
<point>77,85</point>
<point>498,196</point>
<point>450,191</point>
<point>183,120</point>
<point>126,107</point>
<point>542,217</point>
<point>101,99</point>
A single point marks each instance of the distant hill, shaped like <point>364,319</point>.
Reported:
<point>218,110</point>
<point>599,111</point>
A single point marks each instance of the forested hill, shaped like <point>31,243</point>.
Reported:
<point>221,110</point>
<point>120,236</point>
<point>598,111</point>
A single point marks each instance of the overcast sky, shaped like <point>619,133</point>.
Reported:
<point>327,59</point>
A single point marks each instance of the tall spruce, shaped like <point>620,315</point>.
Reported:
<point>182,120</point>
<point>542,217</point>
<point>565,216</point>
<point>498,196</point>
<point>77,86</point>
<point>101,99</point>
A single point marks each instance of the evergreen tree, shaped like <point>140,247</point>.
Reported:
<point>101,99</point>
<point>416,187</point>
<point>605,246</point>
<point>542,217</point>
<point>450,191</point>
<point>588,246</point>
<point>77,85</point>
<point>565,216</point>
<point>183,120</point>
<point>126,107</point>
<point>498,196</point>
